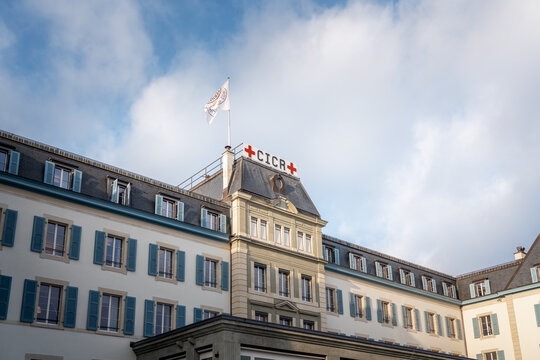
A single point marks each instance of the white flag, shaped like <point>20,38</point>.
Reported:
<point>221,100</point>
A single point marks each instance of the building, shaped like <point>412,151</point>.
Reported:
<point>98,262</point>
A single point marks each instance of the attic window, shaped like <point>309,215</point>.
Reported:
<point>278,185</point>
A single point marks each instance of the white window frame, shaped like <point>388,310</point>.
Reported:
<point>300,240</point>
<point>284,283</point>
<point>385,309</point>
<point>114,252</point>
<point>358,306</point>
<point>485,323</point>
<point>259,277</point>
<point>59,305</point>
<point>277,234</point>
<point>210,273</point>
<point>306,284</point>
<point>409,315</point>
<point>309,247</point>
<point>331,303</point>
<point>109,309</point>
<point>163,274</point>
<point>162,320</point>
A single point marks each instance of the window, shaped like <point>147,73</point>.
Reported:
<point>330,300</point>
<point>48,308</point>
<point>408,317</point>
<point>283,282</point>
<point>55,239</point>
<point>309,325</point>
<point>535,273</point>
<point>277,234</point>
<point>62,176</point>
<point>385,308</point>
<point>286,236</point>
<point>308,243</point>
<point>383,270</point>
<point>449,289</point>
<point>165,259</point>
<point>452,327</point>
<point>306,288</point>
<point>253,226</point>
<point>210,278</point>
<point>492,355</point>
<point>213,220</point>
<point>300,240</point>
<point>110,310</point>
<point>113,251</point>
<point>259,277</point>
<point>429,284</point>
<point>207,314</point>
<point>9,161</point>
<point>357,306</point>
<point>263,230</point>
<point>119,191</point>
<point>285,320</point>
<point>163,318</point>
<point>480,288</point>
<point>357,262</point>
<point>406,277</point>
<point>486,325</point>
<point>169,207</point>
<point>261,316</point>
<point>431,323</point>
<point>329,254</point>
<point>3,159</point>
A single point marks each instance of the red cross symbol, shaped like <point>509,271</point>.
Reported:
<point>291,168</point>
<point>249,151</point>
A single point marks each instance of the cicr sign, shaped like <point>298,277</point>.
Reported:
<point>268,159</point>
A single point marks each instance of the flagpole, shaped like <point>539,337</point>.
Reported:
<point>229,126</point>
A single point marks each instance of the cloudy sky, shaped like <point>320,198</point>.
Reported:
<point>415,124</point>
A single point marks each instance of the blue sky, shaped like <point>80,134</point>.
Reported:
<point>413,123</point>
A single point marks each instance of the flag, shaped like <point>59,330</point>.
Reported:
<point>221,100</point>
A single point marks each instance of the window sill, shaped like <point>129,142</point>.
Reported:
<point>333,313</point>
<point>486,337</point>
<point>411,330</point>
<point>388,325</point>
<point>111,333</point>
<point>121,270</point>
<point>48,326</point>
<point>361,319</point>
<point>216,289</point>
<point>63,259</point>
<point>167,280</point>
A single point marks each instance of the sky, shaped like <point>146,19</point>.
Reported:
<point>414,124</point>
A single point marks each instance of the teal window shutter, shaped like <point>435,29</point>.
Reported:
<point>413,283</point>
<point>364,265</point>
<point>179,211</point>
<point>152,259</point>
<point>495,324</point>
<point>5,290</point>
<point>472,290</point>
<point>38,233</point>
<point>458,325</point>
<point>537,313</point>
<point>424,283</point>
<point>476,328</point>
<point>434,285</point>
<point>224,276</point>
<point>93,310</point>
<point>48,176</point>
<point>75,242</point>
<point>500,355</point>
<point>401,276</point>
<point>534,274</point>
<point>378,269</point>
<point>404,315</point>
<point>223,223</point>
<point>10,225</point>
<point>379,311</point>
<point>368,308</point>
<point>390,275</point>
<point>352,307</point>
<point>336,256</point>
<point>439,325</point>
<point>131,264</point>
<point>148,318</point>
<point>129,316</point>
<point>13,167</point>
<point>159,204</point>
<point>180,265</point>
<point>204,216</point>
<point>99,248</point>
<point>180,316</point>
<point>394,314</point>
<point>197,314</point>
<point>339,294</point>
<point>128,194</point>
<point>444,289</point>
<point>325,255</point>
<point>77,181</point>
<point>488,288</point>
<point>417,318</point>
<point>199,272</point>
<point>479,357</point>
<point>114,191</point>
<point>352,263</point>
<point>70,310</point>
<point>426,318</point>
<point>28,301</point>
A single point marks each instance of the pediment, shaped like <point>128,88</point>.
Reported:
<point>285,204</point>
<point>286,305</point>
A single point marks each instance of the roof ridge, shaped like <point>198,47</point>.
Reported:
<point>522,262</point>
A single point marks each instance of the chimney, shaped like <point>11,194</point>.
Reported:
<point>227,161</point>
<point>520,254</point>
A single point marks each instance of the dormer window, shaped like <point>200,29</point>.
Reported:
<point>429,284</point>
<point>406,277</point>
<point>9,161</point>
<point>357,262</point>
<point>331,254</point>
<point>449,289</point>
<point>62,176</point>
<point>383,270</point>
<point>480,288</point>
<point>169,207</point>
<point>119,192</point>
<point>213,220</point>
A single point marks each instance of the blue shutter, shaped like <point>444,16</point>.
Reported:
<point>93,310</point>
<point>77,181</point>
<point>48,176</point>
<point>114,191</point>
<point>70,311</point>
<point>444,289</point>
<point>417,318</point>
<point>500,355</point>
<point>472,290</point>
<point>180,265</point>
<point>131,255</point>
<point>352,263</point>
<point>325,255</point>
<point>434,285</point>
<point>148,318</point>
<point>378,269</point>
<point>28,301</point>
<point>222,223</point>
<point>390,275</point>
<point>128,194</point>
<point>179,211</point>
<point>404,315</point>
<point>180,316</point>
<point>413,281</point>
<point>197,314</point>
<point>352,307</point>
<point>75,242</point>
<point>204,216</point>
<point>364,265</point>
<point>426,318</point>
<point>537,313</point>
<point>379,311</point>
<point>394,314</point>
<point>401,276</point>
<point>339,301</point>
<point>225,276</point>
<point>495,324</point>
<point>458,324</point>
<point>5,290</point>
<point>534,275</point>
<point>14,157</point>
<point>439,325</point>
<point>336,256</point>
<point>476,328</point>
<point>10,224</point>
<point>424,283</point>
<point>158,205</point>
<point>479,357</point>
<point>199,271</point>
<point>368,308</point>
<point>38,232</point>
<point>99,248</point>
<point>488,288</point>
<point>152,259</point>
<point>129,316</point>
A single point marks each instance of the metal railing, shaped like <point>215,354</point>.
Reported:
<point>207,171</point>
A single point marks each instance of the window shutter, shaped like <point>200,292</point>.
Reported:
<point>368,308</point>
<point>458,325</point>
<point>448,331</point>
<point>204,216</point>
<point>99,247</point>
<point>5,290</point>
<point>500,355</point>
<point>454,295</point>
<point>404,315</point>
<point>129,316</point>
<point>148,318</point>
<point>352,307</point>
<point>325,255</point>
<point>472,290</point>
<point>131,255</point>
<point>479,357</point>
<point>488,288</point>
<point>413,282</point>
<point>70,311</point>
<point>424,282</point>
<point>28,301</point>
<point>378,269</point>
<point>224,276</point>
<point>434,285</point>
<point>152,259</point>
<point>223,223</point>
<point>534,275</point>
<point>495,324</point>
<point>199,271</point>
<point>476,328</point>
<point>197,314</point>
<point>38,232</point>
<point>401,276</point>
<point>336,256</point>
<point>14,157</point>
<point>48,176</point>
<point>179,211</point>
<point>128,194</point>
<point>379,311</point>
<point>77,181</point>
<point>364,265</point>
<point>114,191</point>
<point>390,275</point>
<point>339,294</point>
<point>75,242</point>
<point>444,289</point>
<point>417,318</point>
<point>180,265</point>
<point>426,318</point>
<point>352,263</point>
<point>158,205</point>
<point>180,316</point>
<point>394,314</point>
<point>93,310</point>
<point>537,313</point>
<point>10,224</point>
<point>439,325</point>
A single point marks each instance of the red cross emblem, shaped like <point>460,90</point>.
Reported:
<point>291,168</point>
<point>249,151</point>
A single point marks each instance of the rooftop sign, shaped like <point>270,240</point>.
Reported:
<point>268,159</point>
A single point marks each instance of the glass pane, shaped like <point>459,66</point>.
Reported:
<point>104,323</point>
<point>113,321</point>
<point>109,251</point>
<point>159,318</point>
<point>49,241</point>
<point>54,303</point>
<point>43,300</point>
<point>60,236</point>
<point>3,161</point>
